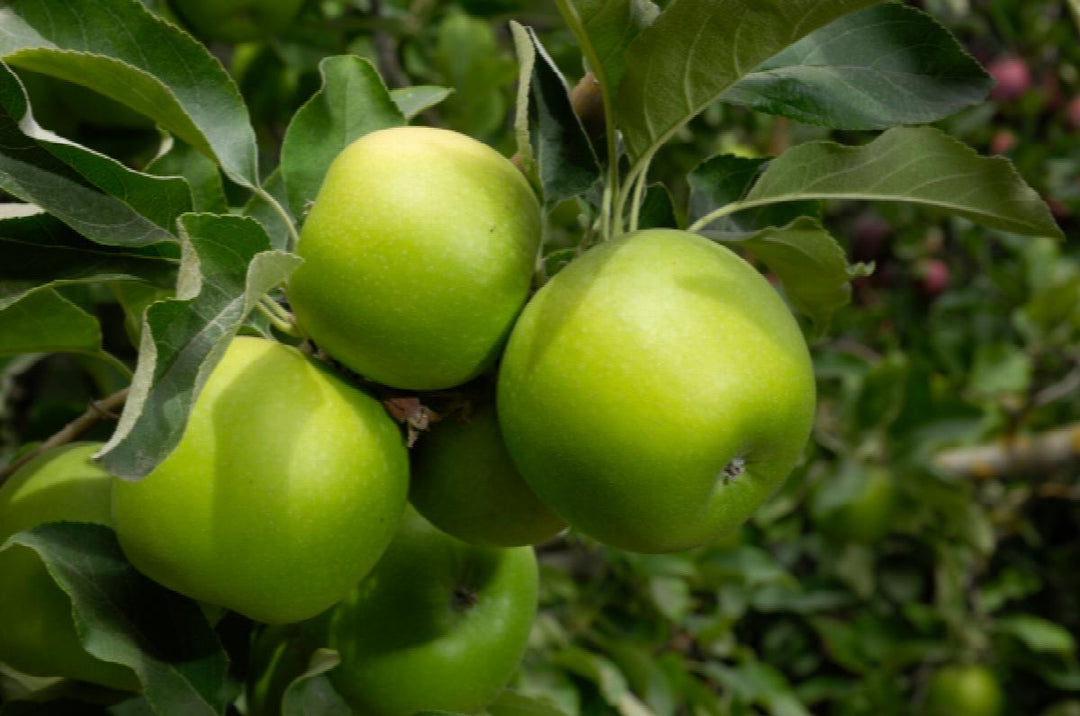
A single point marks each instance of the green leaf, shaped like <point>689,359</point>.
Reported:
<point>312,692</point>
<point>94,194</point>
<point>1000,369</point>
<point>267,214</point>
<point>353,102</point>
<point>758,684</point>
<point>557,145</point>
<point>411,101</point>
<point>810,264</point>
<point>227,266</point>
<point>202,175</point>
<point>597,669</point>
<point>697,50</point>
<point>726,178</point>
<point>124,618</point>
<point>38,251</point>
<point>511,703</point>
<point>671,596</point>
<point>876,68</point>
<point>920,165</point>
<point>604,29</point>
<point>46,322</point>
<point>657,209</point>
<point>471,60</point>
<point>121,50</point>
<point>1038,634</point>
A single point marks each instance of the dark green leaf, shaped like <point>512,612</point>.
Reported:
<point>121,50</point>
<point>38,251</point>
<point>510,703</point>
<point>877,68</point>
<point>45,322</point>
<point>597,669</point>
<point>123,617</point>
<point>183,160</point>
<point>658,209</point>
<point>809,263</point>
<point>1038,634</point>
<point>311,693</point>
<point>563,158</point>
<point>726,178</point>
<point>698,49</point>
<point>228,265</point>
<point>353,102</point>
<point>95,195</point>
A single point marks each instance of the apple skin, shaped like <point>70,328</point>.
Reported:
<point>285,489</point>
<point>656,392</point>
<point>439,625</point>
<point>38,634</point>
<point>466,484</point>
<point>237,20</point>
<point>418,255</point>
<point>972,690</point>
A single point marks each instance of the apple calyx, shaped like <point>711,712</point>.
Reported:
<point>464,598</point>
<point>733,470</point>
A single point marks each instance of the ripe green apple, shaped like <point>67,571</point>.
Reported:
<point>237,20</point>
<point>466,484</point>
<point>418,255</point>
<point>37,631</point>
<point>438,625</point>
<point>656,391</point>
<point>866,512</point>
<point>285,489</point>
<point>972,690</point>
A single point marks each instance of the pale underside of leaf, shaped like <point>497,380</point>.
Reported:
<point>227,267</point>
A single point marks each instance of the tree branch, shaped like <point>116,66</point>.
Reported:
<point>1035,455</point>
<point>98,409</point>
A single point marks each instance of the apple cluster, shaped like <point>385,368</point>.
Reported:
<point>651,395</point>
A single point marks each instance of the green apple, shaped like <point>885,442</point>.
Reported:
<point>37,632</point>
<point>971,690</point>
<point>237,20</point>
<point>439,625</point>
<point>656,392</point>
<point>859,506</point>
<point>285,489</point>
<point>418,255</point>
<point>466,484</point>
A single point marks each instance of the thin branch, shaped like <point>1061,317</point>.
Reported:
<point>386,51</point>
<point>98,410</point>
<point>1035,456</point>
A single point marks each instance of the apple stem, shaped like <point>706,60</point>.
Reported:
<point>97,410</point>
<point>279,317</point>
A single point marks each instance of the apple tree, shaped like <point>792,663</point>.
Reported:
<point>726,363</point>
